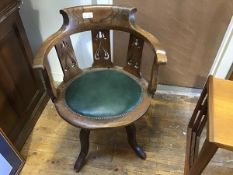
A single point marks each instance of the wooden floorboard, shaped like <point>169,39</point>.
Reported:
<point>53,146</point>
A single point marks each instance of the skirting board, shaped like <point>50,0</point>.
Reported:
<point>176,90</point>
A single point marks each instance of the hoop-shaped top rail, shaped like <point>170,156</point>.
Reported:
<point>85,18</point>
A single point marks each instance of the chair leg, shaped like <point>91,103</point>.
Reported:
<point>188,151</point>
<point>207,152</point>
<point>84,140</point>
<point>131,133</point>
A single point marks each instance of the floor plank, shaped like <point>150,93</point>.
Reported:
<point>53,146</point>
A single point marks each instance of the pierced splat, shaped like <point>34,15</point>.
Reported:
<point>134,55</point>
<point>65,53</point>
<point>101,48</point>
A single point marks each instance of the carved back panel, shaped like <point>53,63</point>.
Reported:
<point>99,20</point>
<point>66,55</point>
<point>85,18</point>
<point>134,55</point>
<point>101,48</point>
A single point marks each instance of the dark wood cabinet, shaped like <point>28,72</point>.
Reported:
<point>6,3</point>
<point>22,95</point>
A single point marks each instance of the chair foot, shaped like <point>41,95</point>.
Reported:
<point>84,140</point>
<point>131,133</point>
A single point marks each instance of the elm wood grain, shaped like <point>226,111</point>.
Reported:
<point>104,18</point>
<point>21,87</point>
<point>214,108</point>
<point>161,133</point>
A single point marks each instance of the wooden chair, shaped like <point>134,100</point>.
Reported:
<point>214,107</point>
<point>103,96</point>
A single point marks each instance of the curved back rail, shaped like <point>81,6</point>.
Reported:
<point>99,20</point>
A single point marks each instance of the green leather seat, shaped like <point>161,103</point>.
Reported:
<point>103,94</point>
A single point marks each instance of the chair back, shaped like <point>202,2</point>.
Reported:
<point>99,20</point>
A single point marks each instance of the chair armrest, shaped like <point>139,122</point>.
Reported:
<point>160,56</point>
<point>41,62</point>
<point>154,44</point>
<point>45,48</point>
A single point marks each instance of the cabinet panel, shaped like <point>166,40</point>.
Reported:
<point>22,94</point>
<point>17,79</point>
<point>8,117</point>
<point>4,3</point>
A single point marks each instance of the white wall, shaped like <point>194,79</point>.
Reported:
<point>102,1</point>
<point>224,58</point>
<point>41,18</point>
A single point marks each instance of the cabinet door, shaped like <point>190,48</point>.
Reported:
<point>8,118</point>
<point>5,3</point>
<point>18,82</point>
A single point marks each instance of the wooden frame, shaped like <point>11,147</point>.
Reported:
<point>208,109</point>
<point>104,18</point>
<point>100,20</point>
<point>195,128</point>
<point>14,154</point>
<point>85,122</point>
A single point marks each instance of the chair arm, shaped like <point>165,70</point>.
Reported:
<point>41,62</point>
<point>152,87</point>
<point>45,48</point>
<point>154,44</point>
<point>159,58</point>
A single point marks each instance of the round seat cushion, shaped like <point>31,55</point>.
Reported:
<point>103,94</point>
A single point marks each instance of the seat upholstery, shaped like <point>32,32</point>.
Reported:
<point>103,94</point>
